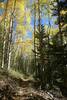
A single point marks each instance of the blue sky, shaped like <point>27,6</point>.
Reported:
<point>44,21</point>
<point>3,0</point>
<point>1,11</point>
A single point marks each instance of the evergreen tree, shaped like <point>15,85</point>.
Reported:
<point>58,48</point>
<point>41,55</point>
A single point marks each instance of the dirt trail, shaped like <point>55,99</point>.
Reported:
<point>12,90</point>
<point>18,89</point>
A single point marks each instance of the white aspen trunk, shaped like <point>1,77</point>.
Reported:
<point>9,45</point>
<point>10,36</point>
<point>9,60</point>
<point>3,54</point>
<point>4,43</point>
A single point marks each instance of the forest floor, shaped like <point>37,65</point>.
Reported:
<point>14,87</point>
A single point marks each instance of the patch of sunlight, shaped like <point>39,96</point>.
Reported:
<point>15,73</point>
<point>19,75</point>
